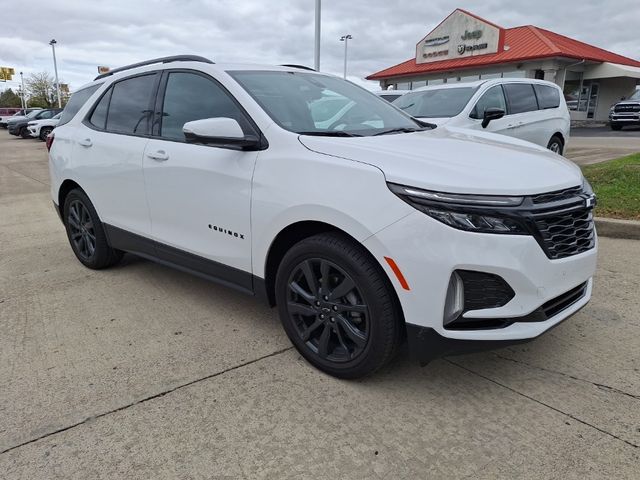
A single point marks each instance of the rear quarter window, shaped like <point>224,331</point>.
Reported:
<point>76,102</point>
<point>548,97</point>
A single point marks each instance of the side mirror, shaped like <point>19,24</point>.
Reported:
<point>220,131</point>
<point>492,113</point>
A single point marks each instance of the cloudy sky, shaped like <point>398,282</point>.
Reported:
<point>117,32</point>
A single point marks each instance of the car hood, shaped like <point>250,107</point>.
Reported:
<point>16,119</point>
<point>456,160</point>
<point>436,121</point>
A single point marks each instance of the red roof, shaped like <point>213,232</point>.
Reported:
<point>525,43</point>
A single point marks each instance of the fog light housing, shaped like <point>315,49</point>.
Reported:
<point>454,301</point>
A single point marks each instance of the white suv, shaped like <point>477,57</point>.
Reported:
<point>532,110</point>
<point>361,232</point>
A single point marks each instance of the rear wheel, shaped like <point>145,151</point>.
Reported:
<point>337,306</point>
<point>616,126</point>
<point>44,132</point>
<point>556,145</point>
<point>86,233</point>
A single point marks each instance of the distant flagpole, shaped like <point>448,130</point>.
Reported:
<point>316,50</point>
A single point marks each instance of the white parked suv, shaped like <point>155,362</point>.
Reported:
<point>362,232</point>
<point>42,128</point>
<point>532,110</point>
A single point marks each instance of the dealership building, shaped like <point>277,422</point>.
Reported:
<point>465,47</point>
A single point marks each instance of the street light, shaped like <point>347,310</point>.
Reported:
<point>55,68</point>
<point>345,39</point>
<point>23,96</point>
<point>316,46</point>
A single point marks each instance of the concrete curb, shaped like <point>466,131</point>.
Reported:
<point>612,227</point>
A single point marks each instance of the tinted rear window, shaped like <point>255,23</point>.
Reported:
<point>76,102</point>
<point>548,97</point>
<point>521,97</point>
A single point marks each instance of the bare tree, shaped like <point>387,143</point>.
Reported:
<point>41,89</point>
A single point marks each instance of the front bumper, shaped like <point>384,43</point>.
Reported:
<point>626,118</point>
<point>14,130</point>
<point>33,131</point>
<point>427,252</point>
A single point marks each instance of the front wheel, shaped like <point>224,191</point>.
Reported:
<point>337,306</point>
<point>24,132</point>
<point>616,126</point>
<point>86,234</point>
<point>556,145</point>
<point>44,133</point>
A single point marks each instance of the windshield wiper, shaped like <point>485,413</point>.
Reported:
<point>401,130</point>
<point>334,133</point>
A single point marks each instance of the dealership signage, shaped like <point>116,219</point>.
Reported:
<point>459,35</point>
<point>6,74</point>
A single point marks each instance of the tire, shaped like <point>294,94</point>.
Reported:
<point>556,145</point>
<point>616,126</point>
<point>24,132</point>
<point>44,132</point>
<point>86,234</point>
<point>349,331</point>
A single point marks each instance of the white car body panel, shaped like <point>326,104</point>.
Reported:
<point>338,181</point>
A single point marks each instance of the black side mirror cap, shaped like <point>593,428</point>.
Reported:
<point>492,113</point>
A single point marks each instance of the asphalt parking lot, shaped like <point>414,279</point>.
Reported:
<point>593,145</point>
<point>144,372</point>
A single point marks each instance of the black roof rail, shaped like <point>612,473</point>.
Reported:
<point>173,58</point>
<point>303,67</point>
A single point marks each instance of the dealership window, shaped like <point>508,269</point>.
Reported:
<point>572,90</point>
<point>418,84</point>
<point>514,74</point>
<point>403,86</point>
<point>469,78</point>
<point>436,81</point>
<point>487,76</point>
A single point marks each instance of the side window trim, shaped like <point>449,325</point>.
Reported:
<point>151,105</point>
<point>159,106</point>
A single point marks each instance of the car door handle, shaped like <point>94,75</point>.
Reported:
<point>159,156</point>
<point>85,142</point>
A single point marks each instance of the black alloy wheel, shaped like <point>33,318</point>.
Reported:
<point>24,132</point>
<point>556,145</point>
<point>81,230</point>
<point>328,310</point>
<point>338,306</point>
<point>44,133</point>
<point>86,233</point>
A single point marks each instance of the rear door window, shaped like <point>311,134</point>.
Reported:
<point>521,97</point>
<point>130,106</point>
<point>548,97</point>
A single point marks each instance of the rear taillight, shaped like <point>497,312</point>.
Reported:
<point>49,141</point>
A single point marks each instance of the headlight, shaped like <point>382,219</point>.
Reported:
<point>473,213</point>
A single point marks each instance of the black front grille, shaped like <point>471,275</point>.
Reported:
<point>566,234</point>
<point>627,108</point>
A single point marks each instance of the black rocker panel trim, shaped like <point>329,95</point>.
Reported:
<point>181,260</point>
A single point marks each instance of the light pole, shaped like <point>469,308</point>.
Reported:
<point>55,69</point>
<point>23,96</point>
<point>345,39</point>
<point>316,49</point>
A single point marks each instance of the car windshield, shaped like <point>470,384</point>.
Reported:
<point>635,96</point>
<point>33,114</point>
<point>312,104</point>
<point>440,103</point>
